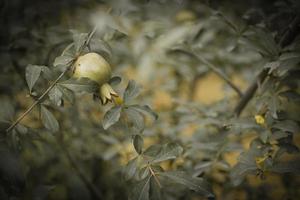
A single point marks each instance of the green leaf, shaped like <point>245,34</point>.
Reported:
<point>145,110</point>
<point>55,95</point>
<point>47,73</point>
<point>101,47</point>
<point>193,183</point>
<point>132,90</point>
<point>111,117</point>
<point>7,110</point>
<point>154,192</point>
<point>67,94</point>
<point>63,61</point>
<point>115,80</point>
<point>144,172</point>
<point>138,143</point>
<point>79,41</point>
<point>287,167</point>
<point>288,126</point>
<point>130,169</point>
<point>49,120</point>
<point>32,74</point>
<point>80,85</point>
<point>135,118</point>
<point>140,190</point>
<point>164,152</point>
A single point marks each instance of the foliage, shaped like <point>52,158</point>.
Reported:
<point>157,140</point>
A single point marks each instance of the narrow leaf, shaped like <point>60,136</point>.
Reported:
<point>111,117</point>
<point>138,143</point>
<point>132,90</point>
<point>55,95</point>
<point>80,85</point>
<point>196,184</point>
<point>140,191</point>
<point>32,74</point>
<point>49,120</point>
<point>145,110</point>
<point>63,61</point>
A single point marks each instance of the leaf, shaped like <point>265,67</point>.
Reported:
<point>55,95</point>
<point>145,110</point>
<point>144,172</point>
<point>288,126</point>
<point>67,94</point>
<point>286,167</point>
<point>135,118</point>
<point>111,117</point>
<point>49,120</point>
<point>196,184</point>
<point>79,41</point>
<point>166,152</point>
<point>132,90</point>
<point>154,192</point>
<point>140,190</point>
<point>114,80</point>
<point>80,85</point>
<point>32,74</point>
<point>63,61</point>
<point>7,110</point>
<point>138,143</point>
<point>130,169</point>
<point>101,47</point>
<point>47,73</point>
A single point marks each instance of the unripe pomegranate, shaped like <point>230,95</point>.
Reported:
<point>96,68</point>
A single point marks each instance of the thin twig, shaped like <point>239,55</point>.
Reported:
<point>52,85</point>
<point>287,38</point>
<point>219,73</point>
<point>36,102</point>
<point>154,175</point>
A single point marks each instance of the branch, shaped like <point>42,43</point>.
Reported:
<point>288,37</point>
<point>36,102</point>
<point>219,73</point>
<point>214,69</point>
<point>155,177</point>
<point>90,35</point>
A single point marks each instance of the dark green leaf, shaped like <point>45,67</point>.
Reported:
<point>7,111</point>
<point>135,118</point>
<point>287,125</point>
<point>196,184</point>
<point>115,80</point>
<point>79,40</point>
<point>101,47</point>
<point>63,61</point>
<point>80,85</point>
<point>144,172</point>
<point>132,90</point>
<point>140,191</point>
<point>55,95</point>
<point>32,75</point>
<point>155,193</point>
<point>145,110</point>
<point>67,94</point>
<point>165,152</point>
<point>47,73</point>
<point>287,167</point>
<point>130,169</point>
<point>49,120</point>
<point>138,143</point>
<point>111,117</point>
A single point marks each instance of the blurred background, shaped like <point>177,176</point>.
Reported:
<point>143,41</point>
